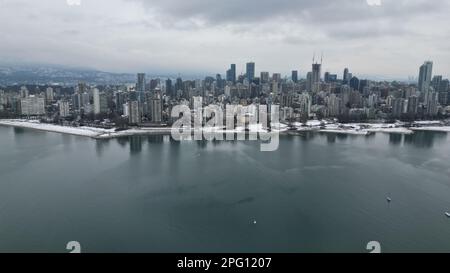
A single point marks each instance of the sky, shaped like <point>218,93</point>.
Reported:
<point>386,38</point>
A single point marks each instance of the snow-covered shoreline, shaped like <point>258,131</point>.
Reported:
<point>36,125</point>
<point>311,126</point>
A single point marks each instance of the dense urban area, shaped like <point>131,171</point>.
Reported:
<point>148,102</point>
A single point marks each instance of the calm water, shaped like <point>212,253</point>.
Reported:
<point>317,193</point>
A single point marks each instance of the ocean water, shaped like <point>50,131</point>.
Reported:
<point>316,193</point>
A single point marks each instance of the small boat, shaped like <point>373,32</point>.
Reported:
<point>389,199</point>
<point>447,214</point>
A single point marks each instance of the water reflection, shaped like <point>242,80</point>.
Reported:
<point>123,141</point>
<point>331,138</point>
<point>395,139</point>
<point>100,146</point>
<point>425,139</point>
<point>155,139</point>
<point>18,131</point>
<point>135,144</point>
<point>418,139</point>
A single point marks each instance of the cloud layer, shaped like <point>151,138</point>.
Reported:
<point>205,36</point>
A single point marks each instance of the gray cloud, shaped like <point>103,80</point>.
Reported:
<point>206,35</point>
<point>322,12</point>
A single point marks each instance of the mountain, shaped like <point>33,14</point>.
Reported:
<point>53,74</point>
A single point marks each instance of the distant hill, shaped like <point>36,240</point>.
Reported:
<point>51,74</point>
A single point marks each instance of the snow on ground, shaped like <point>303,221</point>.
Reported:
<point>428,122</point>
<point>433,129</point>
<point>313,125</point>
<point>36,125</point>
<point>347,132</point>
<point>393,130</point>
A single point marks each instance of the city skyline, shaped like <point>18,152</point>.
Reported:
<point>388,40</point>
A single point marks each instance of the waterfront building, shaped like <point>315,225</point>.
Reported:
<point>156,109</point>
<point>64,109</point>
<point>134,114</point>
<point>32,106</point>
<point>96,99</point>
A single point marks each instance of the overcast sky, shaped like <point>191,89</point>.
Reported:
<point>391,38</point>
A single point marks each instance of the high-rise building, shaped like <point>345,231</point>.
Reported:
<point>24,92</point>
<point>140,84</point>
<point>250,72</point>
<point>354,83</point>
<point>265,77</point>
<point>82,87</point>
<point>436,83</point>
<point>134,114</point>
<point>96,96</point>
<point>425,73</point>
<point>103,103</point>
<point>295,76</point>
<point>140,87</point>
<point>316,76</point>
<point>169,88</point>
<point>276,77</point>
<point>346,77</point>
<point>179,87</point>
<point>335,105</point>
<point>49,95</point>
<point>398,106</point>
<point>231,74</point>
<point>413,105</point>
<point>432,104</point>
<point>32,106</point>
<point>444,95</point>
<point>309,82</point>
<point>305,104</point>
<point>156,109</point>
<point>64,109</point>
<point>328,77</point>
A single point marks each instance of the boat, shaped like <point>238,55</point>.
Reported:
<point>389,199</point>
<point>447,214</point>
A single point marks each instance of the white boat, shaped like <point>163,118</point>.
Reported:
<point>389,199</point>
<point>447,214</point>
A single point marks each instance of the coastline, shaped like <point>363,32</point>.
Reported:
<point>361,129</point>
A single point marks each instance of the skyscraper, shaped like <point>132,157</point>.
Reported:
<point>354,83</point>
<point>432,104</point>
<point>134,116</point>
<point>276,77</point>
<point>140,86</point>
<point>32,106</point>
<point>436,83</point>
<point>265,76</point>
<point>64,110</point>
<point>413,105</point>
<point>345,77</point>
<point>169,88</point>
<point>96,95</point>
<point>295,76</point>
<point>156,109</point>
<point>309,83</point>
<point>425,73</point>
<point>398,107</point>
<point>231,74</point>
<point>315,80</point>
<point>250,71</point>
<point>49,95</point>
